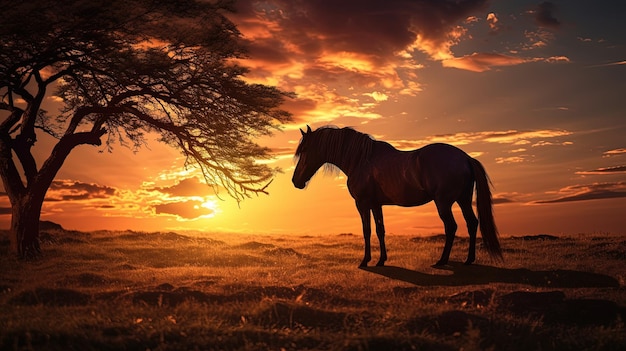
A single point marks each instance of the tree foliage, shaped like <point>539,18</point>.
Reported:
<point>126,69</point>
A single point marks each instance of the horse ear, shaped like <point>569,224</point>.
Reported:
<point>302,131</point>
<point>308,129</point>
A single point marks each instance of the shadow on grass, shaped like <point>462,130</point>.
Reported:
<point>478,274</point>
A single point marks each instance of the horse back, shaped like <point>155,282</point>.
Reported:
<point>411,178</point>
<point>444,166</point>
<point>392,177</point>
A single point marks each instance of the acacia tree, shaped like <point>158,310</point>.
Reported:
<point>125,69</point>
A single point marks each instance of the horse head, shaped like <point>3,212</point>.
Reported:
<point>309,161</point>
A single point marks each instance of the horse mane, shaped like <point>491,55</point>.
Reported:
<point>343,145</point>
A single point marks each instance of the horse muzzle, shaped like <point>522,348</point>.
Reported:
<point>298,184</point>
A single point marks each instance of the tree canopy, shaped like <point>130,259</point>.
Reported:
<point>125,69</point>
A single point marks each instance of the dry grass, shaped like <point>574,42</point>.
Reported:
<point>166,291</point>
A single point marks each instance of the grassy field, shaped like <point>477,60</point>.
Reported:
<point>167,291</point>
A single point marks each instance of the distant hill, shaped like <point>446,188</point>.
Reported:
<point>49,225</point>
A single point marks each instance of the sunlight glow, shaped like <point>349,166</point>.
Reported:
<point>212,205</point>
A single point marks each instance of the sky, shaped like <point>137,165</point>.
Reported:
<point>532,89</point>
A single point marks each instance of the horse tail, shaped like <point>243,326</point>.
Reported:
<point>484,203</point>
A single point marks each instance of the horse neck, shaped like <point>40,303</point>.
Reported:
<point>347,157</point>
<point>345,166</point>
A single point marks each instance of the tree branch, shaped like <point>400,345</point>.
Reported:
<point>22,147</point>
<point>170,127</point>
<point>62,149</point>
<point>27,130</point>
<point>26,138</point>
<point>10,176</point>
<point>14,116</point>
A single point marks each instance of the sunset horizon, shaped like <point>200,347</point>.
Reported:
<point>533,90</point>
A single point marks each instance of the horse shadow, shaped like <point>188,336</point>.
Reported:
<point>477,274</point>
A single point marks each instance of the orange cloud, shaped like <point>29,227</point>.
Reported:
<point>480,62</point>
<point>614,152</point>
<point>514,137</point>
<point>184,209</point>
<point>331,106</point>
<point>186,187</point>
<point>511,137</point>
<point>555,59</point>
<point>537,38</point>
<point>512,159</point>
<point>605,170</point>
<point>492,21</point>
<point>377,96</point>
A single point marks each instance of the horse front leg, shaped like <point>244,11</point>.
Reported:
<point>367,233</point>
<point>380,233</point>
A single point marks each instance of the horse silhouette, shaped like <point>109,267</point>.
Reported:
<point>378,174</point>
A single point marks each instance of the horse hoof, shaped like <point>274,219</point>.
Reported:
<point>468,263</point>
<point>363,265</point>
<point>380,264</point>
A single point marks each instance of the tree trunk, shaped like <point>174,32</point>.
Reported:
<point>24,234</point>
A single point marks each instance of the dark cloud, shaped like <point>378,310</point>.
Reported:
<point>499,200</point>
<point>69,190</point>
<point>184,209</point>
<point>544,15</point>
<point>596,191</point>
<point>380,28</point>
<point>502,200</point>
<point>605,170</point>
<point>330,53</point>
<point>186,187</point>
<point>270,50</point>
<point>299,106</point>
<point>591,195</point>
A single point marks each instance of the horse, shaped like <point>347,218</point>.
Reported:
<point>378,174</point>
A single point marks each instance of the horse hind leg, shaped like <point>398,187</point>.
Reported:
<point>380,233</point>
<point>367,233</point>
<point>472,226</point>
<point>445,213</point>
